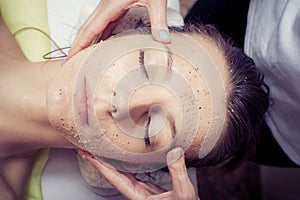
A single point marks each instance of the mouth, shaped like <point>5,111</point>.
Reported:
<point>81,99</point>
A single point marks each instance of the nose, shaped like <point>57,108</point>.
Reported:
<point>150,111</point>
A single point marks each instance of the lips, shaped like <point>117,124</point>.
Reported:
<point>81,102</point>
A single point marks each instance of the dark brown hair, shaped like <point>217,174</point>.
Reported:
<point>247,102</point>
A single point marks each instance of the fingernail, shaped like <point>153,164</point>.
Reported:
<point>174,155</point>
<point>63,62</point>
<point>164,35</point>
<point>81,153</point>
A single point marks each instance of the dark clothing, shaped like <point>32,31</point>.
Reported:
<point>268,151</point>
<point>228,15</point>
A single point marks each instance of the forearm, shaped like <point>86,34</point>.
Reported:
<point>6,191</point>
<point>14,173</point>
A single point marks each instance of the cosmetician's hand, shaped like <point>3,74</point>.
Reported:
<point>132,188</point>
<point>104,19</point>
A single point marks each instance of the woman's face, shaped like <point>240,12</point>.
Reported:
<point>132,99</point>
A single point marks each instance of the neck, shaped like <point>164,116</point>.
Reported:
<point>23,116</point>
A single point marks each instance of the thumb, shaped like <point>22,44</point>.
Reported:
<point>176,165</point>
<point>158,17</point>
<point>182,186</point>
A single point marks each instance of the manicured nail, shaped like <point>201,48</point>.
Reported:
<point>86,155</point>
<point>82,153</point>
<point>174,155</point>
<point>164,35</point>
<point>63,62</point>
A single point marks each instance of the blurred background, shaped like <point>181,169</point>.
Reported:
<point>251,181</point>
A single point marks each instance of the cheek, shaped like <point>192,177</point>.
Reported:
<point>120,138</point>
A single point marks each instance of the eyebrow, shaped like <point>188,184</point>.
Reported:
<point>170,57</point>
<point>146,137</point>
<point>142,63</point>
<point>173,127</point>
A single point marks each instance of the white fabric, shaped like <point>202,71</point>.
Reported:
<point>63,16</point>
<point>66,16</point>
<point>61,179</point>
<point>273,41</point>
<point>174,4</point>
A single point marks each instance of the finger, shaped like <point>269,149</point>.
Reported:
<point>86,35</point>
<point>153,189</point>
<point>158,17</point>
<point>115,177</point>
<point>182,185</point>
<point>110,27</point>
<point>162,196</point>
<point>107,11</point>
<point>83,38</point>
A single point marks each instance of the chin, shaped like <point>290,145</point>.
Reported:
<point>59,110</point>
